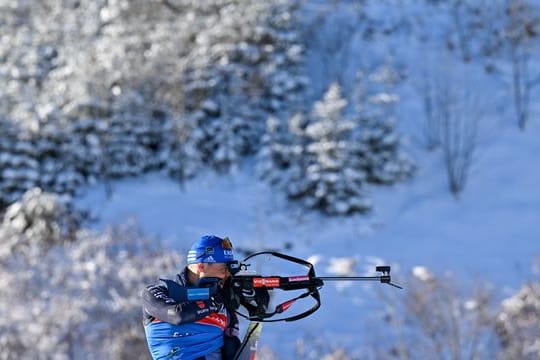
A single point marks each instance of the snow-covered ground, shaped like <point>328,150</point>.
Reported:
<point>488,234</point>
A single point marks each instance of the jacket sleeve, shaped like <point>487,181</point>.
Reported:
<point>157,304</point>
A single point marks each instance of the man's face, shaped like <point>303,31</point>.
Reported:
<point>218,270</point>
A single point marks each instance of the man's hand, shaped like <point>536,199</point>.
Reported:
<point>258,297</point>
<point>215,304</point>
<point>160,293</point>
<point>255,300</point>
<point>229,297</point>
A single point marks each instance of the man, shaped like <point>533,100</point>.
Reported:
<point>186,318</point>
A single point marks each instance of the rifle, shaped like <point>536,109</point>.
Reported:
<point>242,282</point>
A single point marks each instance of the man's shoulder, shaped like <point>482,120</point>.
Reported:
<point>165,289</point>
<point>180,279</point>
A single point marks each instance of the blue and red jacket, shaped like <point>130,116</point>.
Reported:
<point>184,330</point>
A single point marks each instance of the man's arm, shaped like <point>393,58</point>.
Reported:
<point>157,303</point>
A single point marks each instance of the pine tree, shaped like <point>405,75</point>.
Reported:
<point>157,136</point>
<point>376,145</point>
<point>183,159</point>
<point>295,181</point>
<point>279,76</point>
<point>19,169</point>
<point>213,137</point>
<point>378,149</point>
<point>130,141</point>
<point>273,158</point>
<point>57,171</point>
<point>310,159</point>
<point>335,186</point>
<point>87,128</point>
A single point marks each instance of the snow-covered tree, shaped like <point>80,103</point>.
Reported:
<point>183,160</point>
<point>517,324</point>
<point>88,123</point>
<point>310,159</point>
<point>135,137</point>
<point>377,148</point>
<point>57,172</point>
<point>295,151</point>
<point>220,138</point>
<point>274,158</point>
<point>334,184</point>
<point>76,299</point>
<point>376,143</point>
<point>19,169</point>
<point>282,85</point>
<point>282,160</point>
<point>328,158</point>
<point>242,69</point>
<point>35,223</point>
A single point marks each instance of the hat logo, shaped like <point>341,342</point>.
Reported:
<point>209,250</point>
<point>226,244</point>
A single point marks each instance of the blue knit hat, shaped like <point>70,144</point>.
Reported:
<point>211,249</point>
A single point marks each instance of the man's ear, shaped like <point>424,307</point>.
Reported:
<point>200,267</point>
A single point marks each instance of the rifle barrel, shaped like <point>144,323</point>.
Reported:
<point>382,278</point>
<point>348,278</point>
